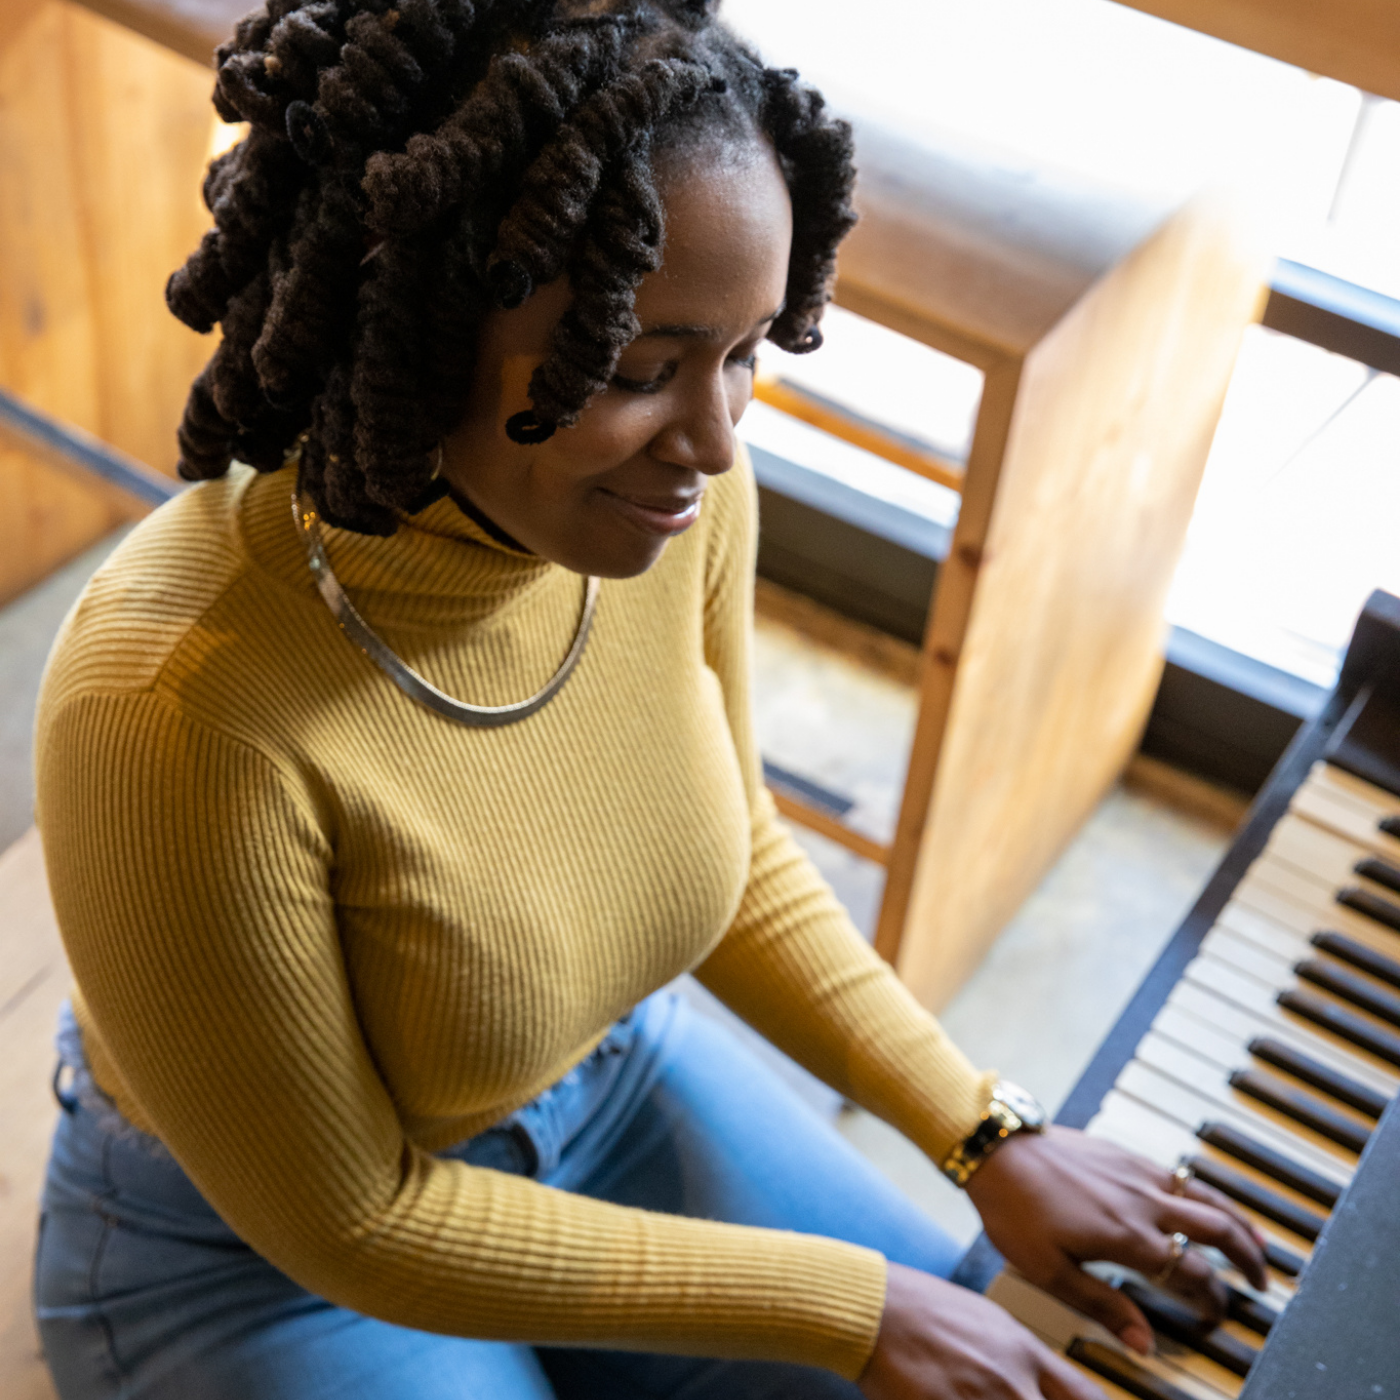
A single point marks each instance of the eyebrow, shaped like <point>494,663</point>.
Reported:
<point>697,332</point>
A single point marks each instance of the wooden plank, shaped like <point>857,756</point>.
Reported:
<point>1045,645</point>
<point>103,139</point>
<point>1354,41</point>
<point>829,827</point>
<point>33,981</point>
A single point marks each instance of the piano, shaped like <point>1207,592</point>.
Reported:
<point>1264,1050</point>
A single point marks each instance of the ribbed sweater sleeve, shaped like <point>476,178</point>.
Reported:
<point>792,964</point>
<point>193,880</point>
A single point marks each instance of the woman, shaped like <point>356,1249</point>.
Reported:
<point>368,901</point>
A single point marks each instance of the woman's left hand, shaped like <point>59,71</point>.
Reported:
<point>1055,1200</point>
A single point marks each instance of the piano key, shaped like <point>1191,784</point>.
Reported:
<point>1131,1376</point>
<point>1293,940</point>
<point>1390,826</point>
<point>1280,892</point>
<point>1059,1325</point>
<point>1349,1025</point>
<point>1352,987</point>
<point>1365,1028</point>
<point>1213,1091</point>
<point>1137,1127</point>
<point>1323,805</point>
<point>1249,1311</point>
<point>1273,1205</point>
<point>1307,1109</point>
<point>1381,804</point>
<point>1380,872</point>
<point>1316,854</point>
<point>1311,1071</point>
<point>1358,954</point>
<point>1283,1261</point>
<point>1221,1019</point>
<point>1385,912</point>
<point>1192,1107</point>
<point>1253,996</point>
<point>1283,1169</point>
<point>1170,1317</point>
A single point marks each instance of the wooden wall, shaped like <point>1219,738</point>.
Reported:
<point>103,138</point>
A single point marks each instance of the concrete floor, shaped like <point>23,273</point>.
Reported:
<point>834,704</point>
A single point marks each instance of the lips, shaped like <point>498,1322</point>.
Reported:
<point>658,515</point>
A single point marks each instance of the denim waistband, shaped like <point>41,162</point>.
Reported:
<point>528,1142</point>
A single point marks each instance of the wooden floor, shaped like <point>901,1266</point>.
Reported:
<point>33,981</point>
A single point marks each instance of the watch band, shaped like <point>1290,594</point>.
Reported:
<point>1010,1111</point>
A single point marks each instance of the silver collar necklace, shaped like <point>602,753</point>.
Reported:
<point>308,522</point>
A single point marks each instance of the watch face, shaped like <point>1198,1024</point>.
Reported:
<point>1025,1106</point>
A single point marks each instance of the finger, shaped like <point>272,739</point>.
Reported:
<point>1208,1195</point>
<point>1193,1280</point>
<point>1104,1303</point>
<point>1223,1230</point>
<point>1061,1381</point>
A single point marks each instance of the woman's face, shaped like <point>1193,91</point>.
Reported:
<point>604,496</point>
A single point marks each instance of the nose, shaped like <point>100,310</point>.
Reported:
<point>699,434</point>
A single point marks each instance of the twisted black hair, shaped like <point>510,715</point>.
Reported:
<point>411,164</point>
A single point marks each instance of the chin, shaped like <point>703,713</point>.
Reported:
<point>624,563</point>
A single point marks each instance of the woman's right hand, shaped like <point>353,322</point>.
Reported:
<point>941,1342</point>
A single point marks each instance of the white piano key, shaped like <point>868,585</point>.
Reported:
<point>1268,932</point>
<point>1322,805</point>
<point>1279,867</point>
<point>1058,1325</point>
<point>1375,800</point>
<point>1212,1082</point>
<point>1285,896</point>
<point>1222,1034</point>
<point>1322,856</point>
<point>1192,1106</point>
<point>1267,965</point>
<point>1251,996</point>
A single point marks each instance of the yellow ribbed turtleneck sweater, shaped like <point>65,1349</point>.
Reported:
<point>320,933</point>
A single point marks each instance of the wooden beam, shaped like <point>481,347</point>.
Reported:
<point>829,827</point>
<point>1354,41</point>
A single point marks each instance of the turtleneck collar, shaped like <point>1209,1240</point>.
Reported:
<point>440,566</point>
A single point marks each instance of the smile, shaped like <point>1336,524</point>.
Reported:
<point>657,516</point>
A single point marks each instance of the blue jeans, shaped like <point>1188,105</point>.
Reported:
<point>143,1293</point>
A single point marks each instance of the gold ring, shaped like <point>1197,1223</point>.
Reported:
<point>1182,1175</point>
<point>1178,1245</point>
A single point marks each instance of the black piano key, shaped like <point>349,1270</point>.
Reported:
<point>1358,955</point>
<point>1248,1311</point>
<point>1248,1192</point>
<point>1390,825</point>
<point>1123,1371</point>
<point>1378,1041</point>
<point>1302,1107</point>
<point>1243,1148</point>
<point>1173,1319</point>
<point>1381,871</point>
<point>1283,1261</point>
<point>1352,987</point>
<point>1374,906</point>
<point>1341,1087</point>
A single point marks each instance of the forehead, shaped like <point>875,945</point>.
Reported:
<point>728,224</point>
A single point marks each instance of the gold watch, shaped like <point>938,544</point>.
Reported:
<point>1012,1110</point>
